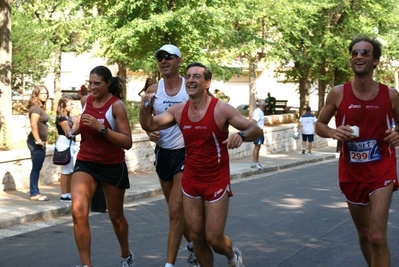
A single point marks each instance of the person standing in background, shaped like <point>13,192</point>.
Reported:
<point>147,84</point>
<point>105,134</point>
<point>84,90</point>
<point>170,151</point>
<point>37,138</point>
<point>64,125</point>
<point>306,123</point>
<point>270,104</point>
<point>259,119</point>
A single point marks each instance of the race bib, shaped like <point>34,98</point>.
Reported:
<point>364,151</point>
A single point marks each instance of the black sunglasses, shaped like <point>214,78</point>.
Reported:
<point>166,57</point>
<point>363,52</point>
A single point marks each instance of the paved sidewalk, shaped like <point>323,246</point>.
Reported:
<point>16,208</point>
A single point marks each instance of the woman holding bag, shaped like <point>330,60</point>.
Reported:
<point>65,124</point>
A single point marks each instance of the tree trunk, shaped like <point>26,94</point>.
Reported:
<point>303,86</point>
<point>322,86</point>
<point>5,74</point>
<point>253,64</point>
<point>57,79</point>
<point>122,73</point>
<point>340,77</point>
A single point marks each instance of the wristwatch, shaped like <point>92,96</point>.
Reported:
<point>104,130</point>
<point>242,135</point>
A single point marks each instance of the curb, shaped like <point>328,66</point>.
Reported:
<point>45,213</point>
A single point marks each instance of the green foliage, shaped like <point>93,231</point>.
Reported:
<point>32,48</point>
<point>52,128</point>
<point>133,111</point>
<point>307,39</point>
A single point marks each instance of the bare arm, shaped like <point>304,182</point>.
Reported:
<point>123,138</point>
<point>392,137</point>
<point>343,132</point>
<point>65,127</point>
<point>83,100</point>
<point>34,121</point>
<point>153,135</point>
<point>152,123</point>
<point>228,115</point>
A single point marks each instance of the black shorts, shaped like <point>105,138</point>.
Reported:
<point>113,174</point>
<point>168,162</point>
<point>308,137</point>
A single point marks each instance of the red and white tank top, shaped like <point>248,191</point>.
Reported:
<point>94,146</point>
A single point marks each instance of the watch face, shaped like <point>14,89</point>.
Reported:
<point>104,131</point>
<point>242,135</point>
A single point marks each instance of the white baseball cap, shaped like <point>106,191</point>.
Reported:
<point>168,48</point>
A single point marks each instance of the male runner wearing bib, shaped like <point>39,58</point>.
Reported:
<point>367,163</point>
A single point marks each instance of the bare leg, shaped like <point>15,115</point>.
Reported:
<point>255,153</point>
<point>216,216</point>
<point>371,224</point>
<point>83,187</point>
<point>114,197</point>
<point>172,191</point>
<point>194,214</point>
<point>65,183</point>
<point>310,146</point>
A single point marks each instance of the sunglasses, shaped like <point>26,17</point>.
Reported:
<point>166,57</point>
<point>362,52</point>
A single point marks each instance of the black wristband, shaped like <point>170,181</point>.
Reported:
<point>242,135</point>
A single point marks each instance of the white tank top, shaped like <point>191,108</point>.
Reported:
<point>170,138</point>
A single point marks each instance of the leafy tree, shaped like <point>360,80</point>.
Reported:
<point>32,49</point>
<point>62,24</point>
<point>132,30</point>
<point>316,36</point>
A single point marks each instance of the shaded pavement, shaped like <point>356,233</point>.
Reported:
<point>16,208</point>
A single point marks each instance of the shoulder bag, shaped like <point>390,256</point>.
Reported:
<point>62,157</point>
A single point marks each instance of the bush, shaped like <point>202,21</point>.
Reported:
<point>133,111</point>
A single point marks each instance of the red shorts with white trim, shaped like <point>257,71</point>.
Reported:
<point>359,193</point>
<point>206,191</point>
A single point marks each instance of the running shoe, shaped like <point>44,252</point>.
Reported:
<point>253,165</point>
<point>66,199</point>
<point>191,260</point>
<point>239,262</point>
<point>129,261</point>
<point>259,166</point>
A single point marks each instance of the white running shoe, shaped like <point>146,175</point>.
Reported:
<point>239,262</point>
<point>259,166</point>
<point>253,165</point>
<point>129,261</point>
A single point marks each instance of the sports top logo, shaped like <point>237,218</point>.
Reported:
<point>354,106</point>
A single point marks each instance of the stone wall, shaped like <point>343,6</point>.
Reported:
<point>15,165</point>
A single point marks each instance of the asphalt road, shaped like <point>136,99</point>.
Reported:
<point>292,218</point>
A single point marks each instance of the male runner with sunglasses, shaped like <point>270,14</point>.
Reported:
<point>367,163</point>
<point>169,151</point>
